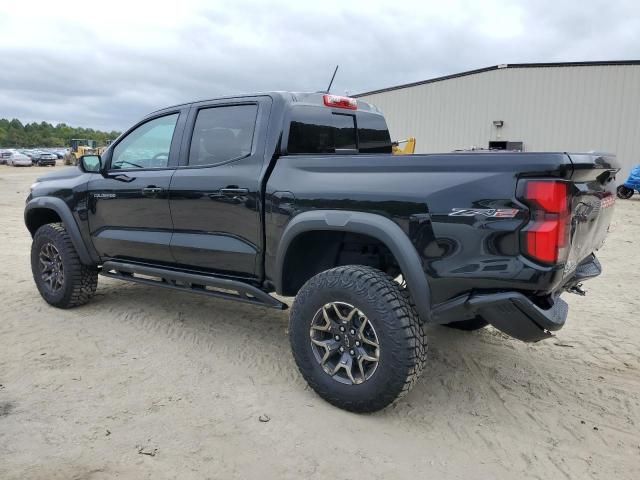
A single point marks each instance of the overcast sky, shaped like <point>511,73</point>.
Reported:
<point>105,64</point>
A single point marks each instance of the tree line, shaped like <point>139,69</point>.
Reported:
<point>13,134</point>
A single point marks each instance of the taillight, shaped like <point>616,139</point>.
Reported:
<point>546,237</point>
<point>336,101</point>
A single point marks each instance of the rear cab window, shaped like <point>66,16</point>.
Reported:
<point>318,130</point>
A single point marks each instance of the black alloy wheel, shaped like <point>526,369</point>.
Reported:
<point>62,279</point>
<point>356,338</point>
<point>344,343</point>
<point>51,267</point>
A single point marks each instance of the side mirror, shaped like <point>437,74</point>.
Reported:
<point>91,163</point>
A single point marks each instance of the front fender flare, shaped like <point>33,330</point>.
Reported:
<point>376,226</point>
<point>60,207</point>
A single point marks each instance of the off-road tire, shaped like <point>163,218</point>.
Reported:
<point>402,344</point>
<point>468,325</point>
<point>80,281</point>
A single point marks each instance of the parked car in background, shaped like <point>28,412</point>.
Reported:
<point>18,159</point>
<point>4,155</point>
<point>44,159</point>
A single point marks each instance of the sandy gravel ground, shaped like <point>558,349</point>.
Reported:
<point>145,383</point>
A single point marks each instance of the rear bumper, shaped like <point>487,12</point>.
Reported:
<point>517,316</point>
<point>514,313</point>
<point>511,312</point>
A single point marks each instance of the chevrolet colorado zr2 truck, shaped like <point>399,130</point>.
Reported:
<point>299,194</point>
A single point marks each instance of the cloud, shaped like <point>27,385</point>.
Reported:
<point>105,65</point>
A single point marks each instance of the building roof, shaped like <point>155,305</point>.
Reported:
<point>500,67</point>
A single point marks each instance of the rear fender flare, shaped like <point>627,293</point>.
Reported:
<point>376,226</point>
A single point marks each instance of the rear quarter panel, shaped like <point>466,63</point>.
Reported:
<point>419,193</point>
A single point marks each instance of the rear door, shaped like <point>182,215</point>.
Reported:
<point>129,214</point>
<point>215,192</point>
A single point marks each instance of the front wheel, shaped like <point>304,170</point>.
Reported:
<point>356,338</point>
<point>62,280</point>
<point>624,193</point>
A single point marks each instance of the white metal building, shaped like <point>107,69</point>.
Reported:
<point>577,106</point>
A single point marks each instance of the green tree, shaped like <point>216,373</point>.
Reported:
<point>13,134</point>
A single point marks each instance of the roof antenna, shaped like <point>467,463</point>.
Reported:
<point>331,82</point>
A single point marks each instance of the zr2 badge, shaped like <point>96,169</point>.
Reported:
<point>485,212</point>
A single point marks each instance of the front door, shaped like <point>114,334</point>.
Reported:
<point>129,214</point>
<point>215,193</point>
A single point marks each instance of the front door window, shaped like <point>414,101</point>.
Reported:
<point>147,146</point>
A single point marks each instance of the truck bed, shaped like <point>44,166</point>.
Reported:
<point>459,210</point>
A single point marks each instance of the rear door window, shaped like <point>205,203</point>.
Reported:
<point>222,133</point>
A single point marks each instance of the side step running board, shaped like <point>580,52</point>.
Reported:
<point>189,282</point>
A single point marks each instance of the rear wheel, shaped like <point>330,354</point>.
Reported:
<point>624,193</point>
<point>62,280</point>
<point>356,338</point>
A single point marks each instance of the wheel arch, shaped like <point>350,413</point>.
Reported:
<point>43,210</point>
<point>372,225</point>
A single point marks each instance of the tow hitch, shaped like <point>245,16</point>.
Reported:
<point>577,289</point>
<point>588,268</point>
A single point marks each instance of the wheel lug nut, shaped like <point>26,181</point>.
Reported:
<point>342,329</point>
<point>357,343</point>
<point>337,337</point>
<point>351,352</point>
<point>341,349</point>
<point>352,331</point>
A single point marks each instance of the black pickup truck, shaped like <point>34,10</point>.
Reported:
<point>299,194</point>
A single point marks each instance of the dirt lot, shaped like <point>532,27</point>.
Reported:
<point>146,383</point>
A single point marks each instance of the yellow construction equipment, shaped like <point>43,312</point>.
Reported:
<point>79,147</point>
<point>409,147</point>
<point>101,150</point>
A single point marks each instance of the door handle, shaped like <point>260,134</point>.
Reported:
<point>234,191</point>
<point>151,190</point>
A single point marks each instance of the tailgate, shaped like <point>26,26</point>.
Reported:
<point>592,204</point>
